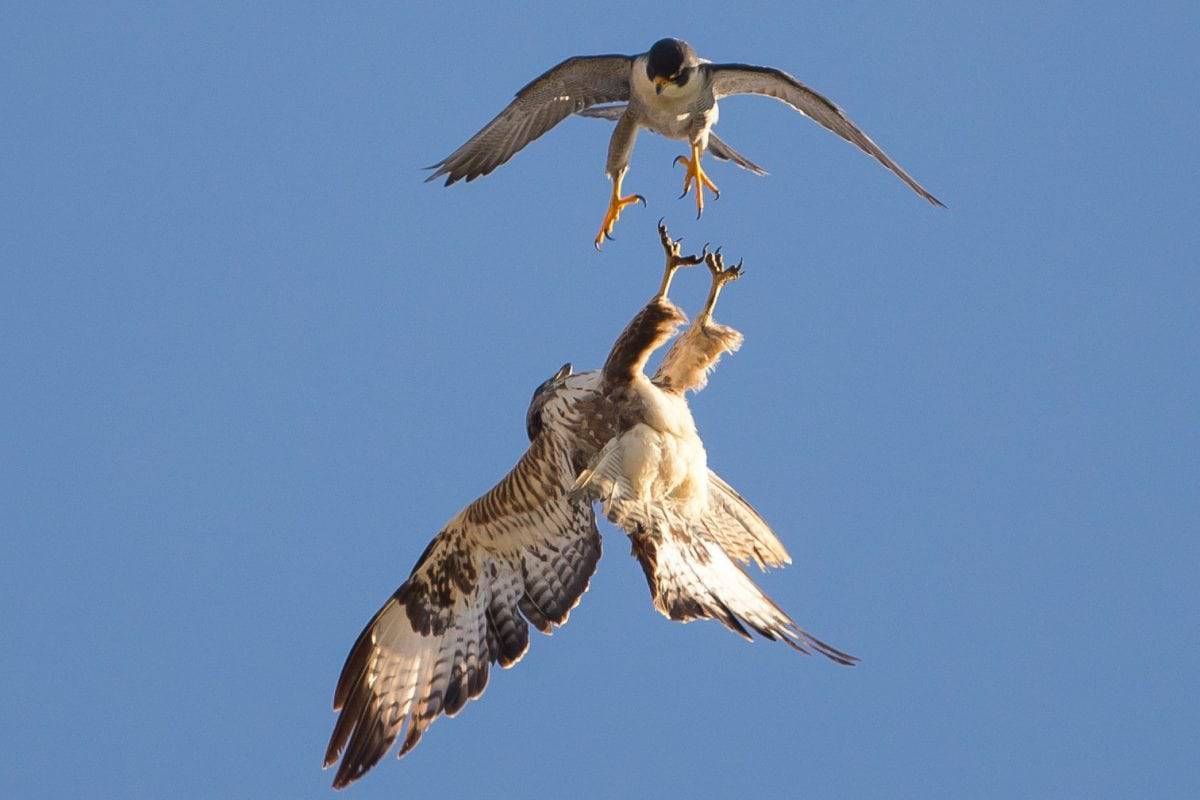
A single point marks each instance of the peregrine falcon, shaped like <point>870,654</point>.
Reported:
<point>668,90</point>
<point>525,551</point>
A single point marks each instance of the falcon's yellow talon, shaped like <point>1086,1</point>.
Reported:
<point>695,172</point>
<point>615,204</point>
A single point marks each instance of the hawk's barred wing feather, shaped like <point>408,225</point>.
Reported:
<point>691,577</point>
<point>738,528</point>
<point>523,553</point>
<point>541,104</point>
<point>729,79</point>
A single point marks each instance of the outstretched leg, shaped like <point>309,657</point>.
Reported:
<point>675,259</point>
<point>695,172</point>
<point>615,204</point>
<point>721,275</point>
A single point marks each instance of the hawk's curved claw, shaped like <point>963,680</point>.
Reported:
<point>674,250</point>
<point>721,273</point>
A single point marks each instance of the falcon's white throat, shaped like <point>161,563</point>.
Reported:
<point>681,99</point>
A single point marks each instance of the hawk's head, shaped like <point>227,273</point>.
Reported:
<point>533,418</point>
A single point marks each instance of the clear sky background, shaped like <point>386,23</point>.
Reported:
<point>251,364</point>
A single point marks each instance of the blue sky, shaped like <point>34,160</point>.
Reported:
<point>252,364</point>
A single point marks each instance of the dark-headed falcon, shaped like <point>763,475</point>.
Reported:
<point>668,90</point>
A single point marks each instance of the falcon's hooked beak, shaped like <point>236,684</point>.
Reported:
<point>659,83</point>
<point>563,372</point>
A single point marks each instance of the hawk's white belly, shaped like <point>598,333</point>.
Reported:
<point>659,459</point>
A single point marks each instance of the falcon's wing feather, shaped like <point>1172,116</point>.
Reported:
<point>722,150</point>
<point>736,526</point>
<point>544,102</point>
<point>524,552</point>
<point>729,79</point>
<point>691,577</point>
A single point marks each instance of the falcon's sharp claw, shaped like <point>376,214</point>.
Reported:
<point>615,204</point>
<point>695,172</point>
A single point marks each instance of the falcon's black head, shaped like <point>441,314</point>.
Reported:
<point>670,61</point>
<point>533,417</point>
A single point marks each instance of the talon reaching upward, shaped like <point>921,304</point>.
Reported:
<point>668,90</point>
<point>695,353</point>
<point>524,552</point>
<point>687,526</point>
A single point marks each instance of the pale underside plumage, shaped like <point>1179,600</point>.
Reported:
<point>716,145</point>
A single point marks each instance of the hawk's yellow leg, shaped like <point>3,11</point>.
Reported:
<point>695,172</point>
<point>615,204</point>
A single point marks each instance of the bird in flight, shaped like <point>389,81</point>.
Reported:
<point>524,552</point>
<point>668,90</point>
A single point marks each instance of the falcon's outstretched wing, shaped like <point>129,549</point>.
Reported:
<point>523,553</point>
<point>716,145</point>
<point>544,102</point>
<point>730,79</point>
<point>691,577</point>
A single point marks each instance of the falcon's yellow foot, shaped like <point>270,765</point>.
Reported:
<point>614,212</point>
<point>696,173</point>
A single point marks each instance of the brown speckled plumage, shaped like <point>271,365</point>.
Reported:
<point>523,553</point>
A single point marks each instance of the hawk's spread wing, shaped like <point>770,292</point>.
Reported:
<point>692,577</point>
<point>738,529</point>
<point>546,101</point>
<point>730,79</point>
<point>522,553</point>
